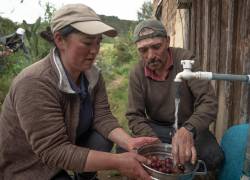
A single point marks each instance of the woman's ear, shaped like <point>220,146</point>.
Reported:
<point>59,40</point>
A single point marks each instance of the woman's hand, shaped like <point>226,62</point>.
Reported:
<point>135,143</point>
<point>123,139</point>
<point>130,166</point>
<point>183,149</point>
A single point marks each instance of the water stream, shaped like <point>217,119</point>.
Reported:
<point>177,102</point>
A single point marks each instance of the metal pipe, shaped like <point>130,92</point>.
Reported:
<point>187,74</point>
<point>230,77</point>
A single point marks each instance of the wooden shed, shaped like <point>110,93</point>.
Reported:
<point>218,32</point>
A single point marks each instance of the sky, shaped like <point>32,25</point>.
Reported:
<point>30,10</point>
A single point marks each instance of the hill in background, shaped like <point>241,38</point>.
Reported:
<point>122,26</point>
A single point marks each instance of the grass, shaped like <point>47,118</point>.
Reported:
<point>4,87</point>
<point>117,93</point>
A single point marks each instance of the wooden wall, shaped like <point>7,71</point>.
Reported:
<point>218,31</point>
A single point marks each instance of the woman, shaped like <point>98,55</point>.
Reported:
<point>56,116</point>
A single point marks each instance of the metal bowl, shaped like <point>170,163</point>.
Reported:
<point>163,151</point>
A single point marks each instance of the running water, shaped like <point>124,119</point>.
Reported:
<point>177,102</point>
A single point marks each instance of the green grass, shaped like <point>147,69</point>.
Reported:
<point>117,94</point>
<point>4,87</point>
<point>116,71</point>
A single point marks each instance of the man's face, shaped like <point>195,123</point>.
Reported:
<point>153,52</point>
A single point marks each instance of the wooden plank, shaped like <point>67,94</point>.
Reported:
<point>237,63</point>
<point>221,123</point>
<point>198,38</point>
<point>245,58</point>
<point>193,27</point>
<point>214,39</point>
<point>237,112</point>
<point>229,60</point>
<point>246,51</point>
<point>206,35</point>
<point>187,27</point>
<point>223,114</point>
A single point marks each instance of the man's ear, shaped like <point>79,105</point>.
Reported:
<point>168,40</point>
<point>59,40</point>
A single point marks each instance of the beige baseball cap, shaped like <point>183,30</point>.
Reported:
<point>82,18</point>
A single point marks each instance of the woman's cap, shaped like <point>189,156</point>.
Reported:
<point>82,18</point>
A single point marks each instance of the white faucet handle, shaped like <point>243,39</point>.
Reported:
<point>187,64</point>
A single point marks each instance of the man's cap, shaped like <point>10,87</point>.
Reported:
<point>82,18</point>
<point>20,31</point>
<point>149,29</point>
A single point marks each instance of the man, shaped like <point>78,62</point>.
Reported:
<point>151,99</point>
<point>13,42</point>
<point>56,115</point>
<point>5,52</point>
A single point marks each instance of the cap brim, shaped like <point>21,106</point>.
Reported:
<point>95,27</point>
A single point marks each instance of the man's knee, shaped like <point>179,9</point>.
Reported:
<point>209,150</point>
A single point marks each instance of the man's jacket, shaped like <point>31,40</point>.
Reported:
<point>154,101</point>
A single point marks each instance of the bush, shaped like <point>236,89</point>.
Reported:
<point>115,61</point>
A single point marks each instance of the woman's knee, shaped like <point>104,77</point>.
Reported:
<point>98,142</point>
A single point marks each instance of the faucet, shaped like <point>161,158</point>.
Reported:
<point>187,74</point>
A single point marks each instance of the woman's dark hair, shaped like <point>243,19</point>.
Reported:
<point>47,35</point>
<point>65,31</point>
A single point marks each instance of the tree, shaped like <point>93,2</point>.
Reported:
<point>146,11</point>
<point>31,31</point>
<point>49,11</point>
<point>7,26</point>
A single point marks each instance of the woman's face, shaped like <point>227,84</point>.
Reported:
<point>78,51</point>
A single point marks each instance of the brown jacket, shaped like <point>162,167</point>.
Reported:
<point>39,118</point>
<point>154,101</point>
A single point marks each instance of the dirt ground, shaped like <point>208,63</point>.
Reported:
<point>110,175</point>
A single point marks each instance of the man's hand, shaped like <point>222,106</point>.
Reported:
<point>183,149</point>
<point>5,52</point>
<point>135,143</point>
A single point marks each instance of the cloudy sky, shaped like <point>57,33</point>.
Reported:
<point>30,10</point>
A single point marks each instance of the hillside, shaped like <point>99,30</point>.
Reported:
<point>122,26</point>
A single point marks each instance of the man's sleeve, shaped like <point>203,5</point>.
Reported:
<point>205,100</point>
<point>205,104</point>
